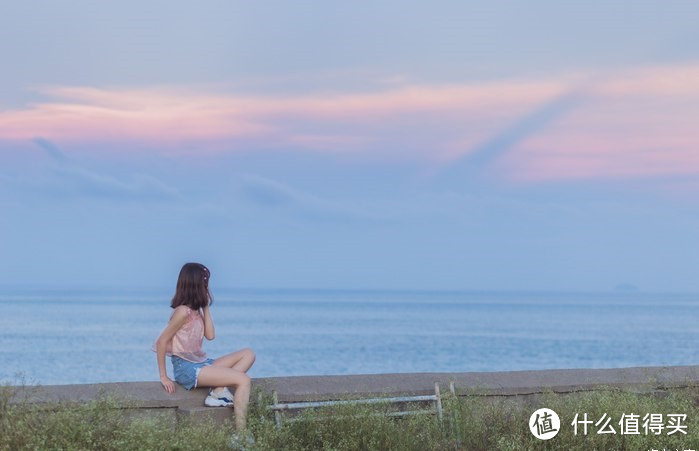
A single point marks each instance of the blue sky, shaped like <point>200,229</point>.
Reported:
<point>408,145</point>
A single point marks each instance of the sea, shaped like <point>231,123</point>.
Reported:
<point>51,337</point>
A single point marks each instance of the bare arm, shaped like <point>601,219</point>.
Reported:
<point>179,317</point>
<point>209,331</point>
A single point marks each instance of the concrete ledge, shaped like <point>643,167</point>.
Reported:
<point>510,383</point>
<point>203,413</point>
<point>140,394</point>
<point>150,395</point>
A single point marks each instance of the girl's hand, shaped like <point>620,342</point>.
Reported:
<point>167,384</point>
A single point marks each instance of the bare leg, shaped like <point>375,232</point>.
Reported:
<point>240,360</point>
<point>219,376</point>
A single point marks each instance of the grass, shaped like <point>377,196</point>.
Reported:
<point>470,423</point>
<point>99,425</point>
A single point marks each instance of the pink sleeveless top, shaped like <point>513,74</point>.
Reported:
<point>187,342</point>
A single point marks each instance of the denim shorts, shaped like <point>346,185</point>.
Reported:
<point>186,372</point>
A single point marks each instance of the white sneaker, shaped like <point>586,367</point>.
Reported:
<point>221,399</point>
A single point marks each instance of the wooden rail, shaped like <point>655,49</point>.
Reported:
<point>436,401</point>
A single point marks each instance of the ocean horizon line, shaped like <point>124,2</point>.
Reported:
<point>132,288</point>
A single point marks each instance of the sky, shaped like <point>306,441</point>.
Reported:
<point>446,145</point>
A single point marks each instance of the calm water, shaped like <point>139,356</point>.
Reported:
<point>82,337</point>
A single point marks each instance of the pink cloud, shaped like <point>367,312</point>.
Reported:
<point>168,117</point>
<point>638,124</point>
<point>89,114</point>
<point>635,123</point>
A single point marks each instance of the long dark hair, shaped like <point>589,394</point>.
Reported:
<point>193,287</point>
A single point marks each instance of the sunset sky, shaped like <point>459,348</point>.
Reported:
<point>499,145</point>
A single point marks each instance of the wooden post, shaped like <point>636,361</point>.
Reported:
<point>438,401</point>
<point>277,413</point>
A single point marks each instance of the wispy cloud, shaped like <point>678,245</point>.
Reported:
<point>72,177</point>
<point>268,193</point>
<point>50,149</point>
<point>639,123</point>
<point>173,119</point>
<point>484,154</point>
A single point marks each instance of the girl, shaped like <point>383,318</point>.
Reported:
<point>182,340</point>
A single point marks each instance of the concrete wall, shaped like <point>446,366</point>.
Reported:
<point>149,398</point>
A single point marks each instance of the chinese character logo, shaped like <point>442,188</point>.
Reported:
<point>544,424</point>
